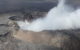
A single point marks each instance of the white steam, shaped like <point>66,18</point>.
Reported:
<point>58,18</point>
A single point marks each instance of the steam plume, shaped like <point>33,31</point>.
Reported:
<point>58,18</point>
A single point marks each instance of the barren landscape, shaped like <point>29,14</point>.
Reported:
<point>45,40</point>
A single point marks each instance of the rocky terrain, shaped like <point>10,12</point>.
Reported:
<point>12,39</point>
